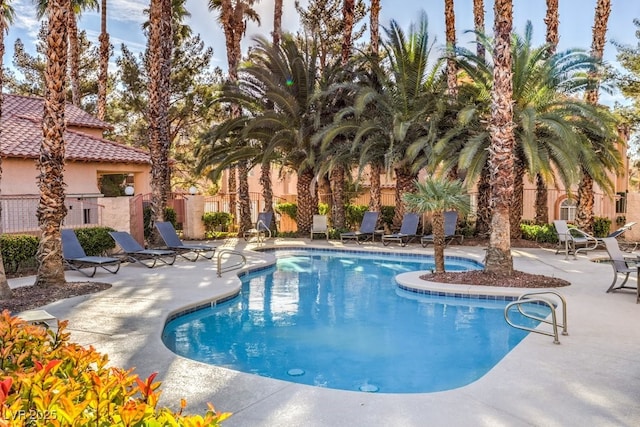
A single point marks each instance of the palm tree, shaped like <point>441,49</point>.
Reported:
<point>233,17</point>
<point>552,37</point>
<point>77,7</point>
<point>478,21</point>
<point>501,150</point>
<point>104,62</point>
<point>159,52</point>
<point>376,168</point>
<point>584,208</point>
<point>450,32</point>
<point>403,109</point>
<point>437,195</point>
<point>7,14</point>
<point>51,208</point>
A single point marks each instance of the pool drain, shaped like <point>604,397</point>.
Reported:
<point>369,388</point>
<point>295,372</point>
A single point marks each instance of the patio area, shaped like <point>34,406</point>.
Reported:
<point>591,378</point>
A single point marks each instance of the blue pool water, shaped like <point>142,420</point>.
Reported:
<point>338,320</point>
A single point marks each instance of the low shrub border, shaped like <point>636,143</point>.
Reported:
<point>47,380</point>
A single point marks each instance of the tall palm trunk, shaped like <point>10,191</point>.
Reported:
<point>374,15</point>
<point>483,214</point>
<point>501,157</point>
<point>517,204</point>
<point>160,42</point>
<point>552,38</point>
<point>542,201</point>
<point>267,189</point>
<point>243,195</point>
<point>5,290</point>
<point>104,63</point>
<point>450,32</point>
<point>277,22</point>
<point>478,21</point>
<point>74,61</point>
<point>339,201</point>
<point>375,201</point>
<point>584,208</point>
<point>404,184</point>
<point>307,201</point>
<point>51,208</point>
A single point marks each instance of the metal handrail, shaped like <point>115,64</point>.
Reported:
<point>235,266</point>
<point>526,299</point>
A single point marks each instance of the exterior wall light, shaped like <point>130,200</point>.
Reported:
<point>129,190</point>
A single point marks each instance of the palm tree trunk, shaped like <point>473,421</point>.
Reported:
<point>233,188</point>
<point>267,190</point>
<point>375,26</point>
<point>552,22</point>
<point>339,202</point>
<point>478,20</point>
<point>438,240</point>
<point>542,202</point>
<point>404,184</point>
<point>348,11</point>
<point>277,22</point>
<point>483,214</point>
<point>452,69</point>
<point>243,196</point>
<point>51,208</point>
<point>74,54</point>
<point>160,43</point>
<point>307,201</point>
<point>584,208</point>
<point>375,200</point>
<point>5,290</point>
<point>324,188</point>
<point>501,157</point>
<point>518,202</point>
<point>104,63</point>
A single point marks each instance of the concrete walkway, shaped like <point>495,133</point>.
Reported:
<point>591,378</point>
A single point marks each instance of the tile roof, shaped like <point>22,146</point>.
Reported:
<point>22,134</point>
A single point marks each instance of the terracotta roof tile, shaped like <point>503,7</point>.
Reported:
<point>22,135</point>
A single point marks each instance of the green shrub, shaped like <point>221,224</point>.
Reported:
<point>323,208</point>
<point>47,380</point>
<point>170,215</point>
<point>288,208</point>
<point>601,226</point>
<point>216,221</point>
<point>354,215</point>
<point>540,233</point>
<point>95,240</point>
<point>387,216</point>
<point>17,249</point>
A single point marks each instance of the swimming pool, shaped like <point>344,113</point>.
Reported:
<point>337,319</point>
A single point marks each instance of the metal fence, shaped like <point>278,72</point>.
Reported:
<point>19,213</point>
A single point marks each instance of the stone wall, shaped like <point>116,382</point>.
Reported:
<point>633,215</point>
<point>193,226</point>
<point>116,213</point>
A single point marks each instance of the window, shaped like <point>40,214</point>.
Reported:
<point>568,210</point>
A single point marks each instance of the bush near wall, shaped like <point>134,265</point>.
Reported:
<point>216,222</point>
<point>17,249</point>
<point>47,380</point>
<point>95,241</point>
<point>539,233</point>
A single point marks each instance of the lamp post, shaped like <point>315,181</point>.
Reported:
<point>193,190</point>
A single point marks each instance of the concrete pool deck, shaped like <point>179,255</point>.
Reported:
<point>591,378</point>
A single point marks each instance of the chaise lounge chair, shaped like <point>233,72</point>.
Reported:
<point>173,242</point>
<point>573,240</point>
<point>407,232</point>
<point>625,246</point>
<point>261,231</point>
<point>367,229</point>
<point>450,226</point>
<point>75,257</point>
<point>620,264</point>
<point>136,253</point>
<point>320,226</point>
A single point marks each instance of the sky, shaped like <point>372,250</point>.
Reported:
<point>126,16</point>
